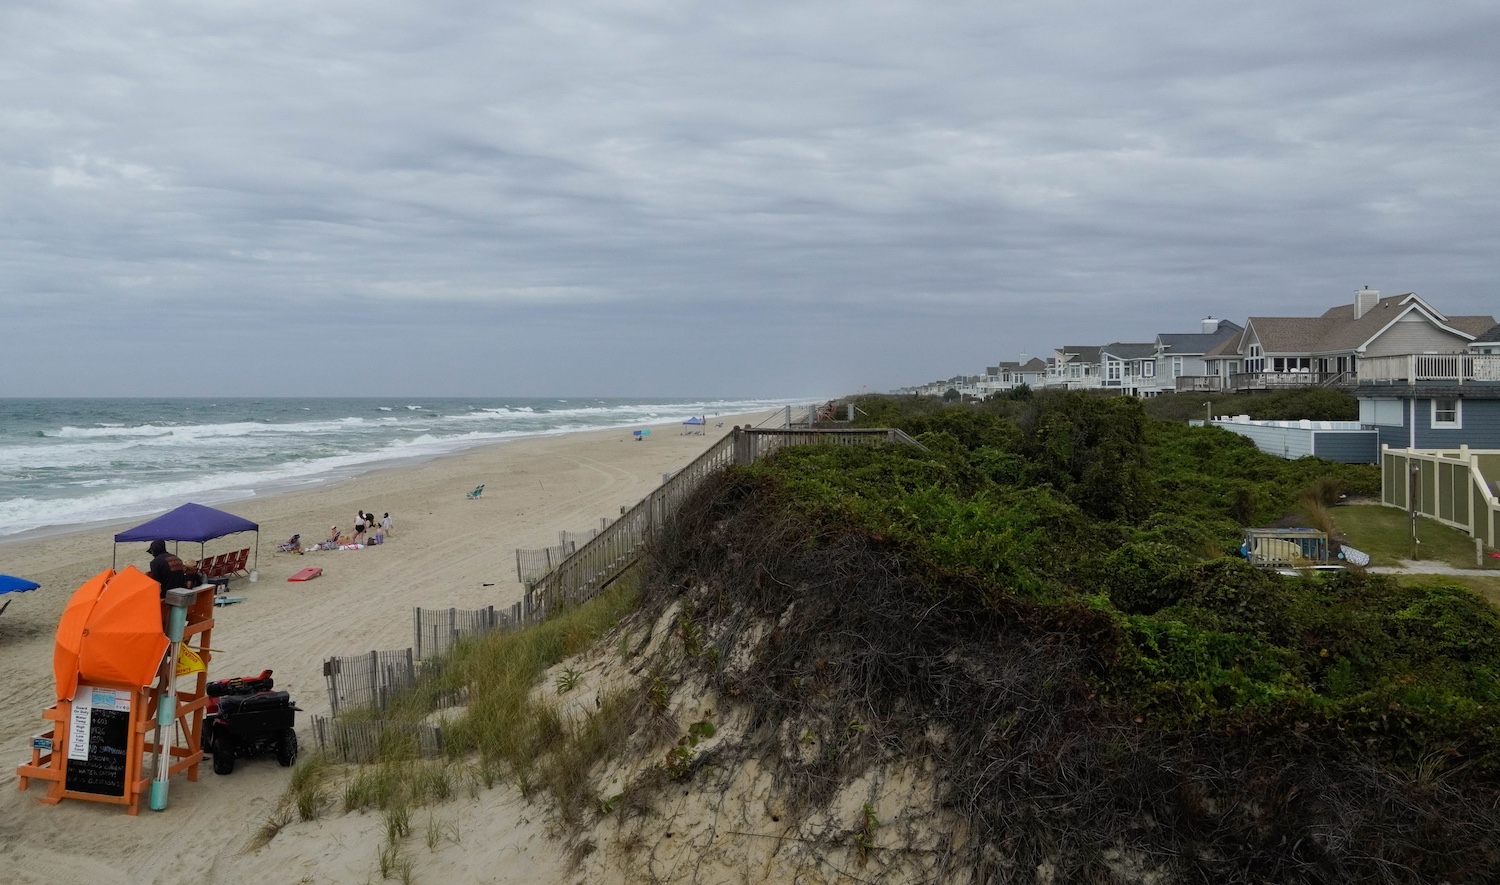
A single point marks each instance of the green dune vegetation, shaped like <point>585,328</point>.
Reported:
<point>1052,587</point>
<point>1038,620</point>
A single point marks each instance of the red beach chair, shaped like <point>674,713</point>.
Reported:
<point>239,564</point>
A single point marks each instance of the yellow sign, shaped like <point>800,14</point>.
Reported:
<point>188,662</point>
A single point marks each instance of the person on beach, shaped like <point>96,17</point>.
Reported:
<point>166,569</point>
<point>386,524</point>
<point>359,529</point>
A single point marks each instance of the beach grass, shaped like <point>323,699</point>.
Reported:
<point>505,732</point>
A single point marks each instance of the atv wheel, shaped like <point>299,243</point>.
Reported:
<point>286,749</point>
<point>224,754</point>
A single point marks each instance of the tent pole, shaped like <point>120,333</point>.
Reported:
<point>113,555</point>
<point>257,551</point>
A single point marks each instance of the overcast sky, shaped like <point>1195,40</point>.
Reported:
<point>720,199</point>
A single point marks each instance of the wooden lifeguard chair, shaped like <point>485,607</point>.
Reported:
<point>100,742</point>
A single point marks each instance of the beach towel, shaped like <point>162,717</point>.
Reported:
<point>351,547</point>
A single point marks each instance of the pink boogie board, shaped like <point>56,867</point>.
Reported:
<point>306,574</point>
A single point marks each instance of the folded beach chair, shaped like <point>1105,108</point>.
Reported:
<point>476,493</point>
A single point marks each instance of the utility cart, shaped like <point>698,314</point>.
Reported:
<point>248,717</point>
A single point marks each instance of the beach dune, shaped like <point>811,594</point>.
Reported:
<point>447,550</point>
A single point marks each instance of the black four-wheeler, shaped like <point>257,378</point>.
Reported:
<point>247,718</point>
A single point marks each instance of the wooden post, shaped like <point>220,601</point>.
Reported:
<point>1413,489</point>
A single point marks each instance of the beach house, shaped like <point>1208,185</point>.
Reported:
<point>1128,368</point>
<point>1273,353</point>
<point>1180,356</point>
<point>1075,367</point>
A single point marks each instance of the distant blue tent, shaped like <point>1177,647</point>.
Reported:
<point>695,420</point>
<point>191,522</point>
<point>10,585</point>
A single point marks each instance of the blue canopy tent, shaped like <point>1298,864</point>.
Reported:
<point>695,421</point>
<point>190,522</point>
<point>9,585</point>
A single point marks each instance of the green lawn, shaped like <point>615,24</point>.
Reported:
<point>1385,534</point>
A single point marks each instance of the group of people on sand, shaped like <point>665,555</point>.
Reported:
<point>368,530</point>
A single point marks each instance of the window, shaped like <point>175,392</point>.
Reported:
<point>1447,413</point>
<point>1257,360</point>
<point>1176,367</point>
<point>1148,368</point>
<point>1114,371</point>
<point>1382,412</point>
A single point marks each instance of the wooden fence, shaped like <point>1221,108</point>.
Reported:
<point>532,565</point>
<point>437,630</point>
<point>364,742</point>
<point>368,680</point>
<point>595,564</point>
<point>1448,486</point>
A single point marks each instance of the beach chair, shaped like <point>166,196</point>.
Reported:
<point>293,545</point>
<point>476,493</point>
<point>239,565</point>
<point>213,568</point>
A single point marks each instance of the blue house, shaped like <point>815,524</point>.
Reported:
<point>1432,400</point>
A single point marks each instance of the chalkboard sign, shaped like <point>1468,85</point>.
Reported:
<point>101,731</point>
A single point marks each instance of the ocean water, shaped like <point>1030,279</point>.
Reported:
<point>68,462</point>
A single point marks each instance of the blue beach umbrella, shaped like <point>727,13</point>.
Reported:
<point>14,585</point>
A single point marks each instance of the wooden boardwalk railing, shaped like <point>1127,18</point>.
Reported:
<point>595,564</point>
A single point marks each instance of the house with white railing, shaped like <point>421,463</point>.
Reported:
<point>1012,374</point>
<point>1180,356</point>
<point>1128,368</point>
<point>1432,400</point>
<point>1273,353</point>
<point>1075,367</point>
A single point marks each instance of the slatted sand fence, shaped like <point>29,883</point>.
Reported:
<point>532,565</point>
<point>595,564</point>
<point>364,742</point>
<point>439,629</point>
<point>373,679</point>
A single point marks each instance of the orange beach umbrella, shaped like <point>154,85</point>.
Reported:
<point>111,632</point>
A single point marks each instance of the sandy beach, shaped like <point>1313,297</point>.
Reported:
<point>446,550</point>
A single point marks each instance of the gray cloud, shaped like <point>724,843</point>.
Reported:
<point>676,197</point>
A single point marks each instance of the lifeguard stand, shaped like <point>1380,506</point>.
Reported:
<point>96,746</point>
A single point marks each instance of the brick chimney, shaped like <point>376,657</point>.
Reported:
<point>1210,325</point>
<point>1364,301</point>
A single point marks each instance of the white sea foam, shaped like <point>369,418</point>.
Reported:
<point>81,471</point>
